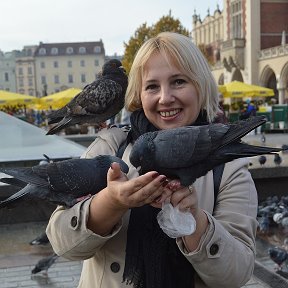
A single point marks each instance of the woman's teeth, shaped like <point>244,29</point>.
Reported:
<point>169,113</point>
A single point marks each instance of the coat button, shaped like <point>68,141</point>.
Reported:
<point>74,221</point>
<point>115,267</point>
<point>214,249</point>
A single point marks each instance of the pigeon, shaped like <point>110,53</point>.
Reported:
<point>97,102</point>
<point>44,264</point>
<point>285,148</point>
<point>263,138</point>
<point>42,239</point>
<point>262,160</point>
<point>277,159</point>
<point>64,182</point>
<point>187,153</point>
<point>278,255</point>
<point>264,224</point>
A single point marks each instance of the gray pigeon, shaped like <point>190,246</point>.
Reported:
<point>63,182</point>
<point>97,102</point>
<point>42,239</point>
<point>278,255</point>
<point>190,152</point>
<point>44,264</point>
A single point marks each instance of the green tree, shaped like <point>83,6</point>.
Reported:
<point>144,32</point>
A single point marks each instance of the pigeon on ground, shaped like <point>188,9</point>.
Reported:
<point>285,148</point>
<point>190,152</point>
<point>44,264</point>
<point>277,159</point>
<point>64,182</point>
<point>263,138</point>
<point>278,255</point>
<point>97,102</point>
<point>42,239</point>
<point>262,160</point>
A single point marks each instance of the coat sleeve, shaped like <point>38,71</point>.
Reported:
<point>226,253</point>
<point>66,229</point>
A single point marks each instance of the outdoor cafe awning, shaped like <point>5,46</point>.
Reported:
<point>11,99</point>
<point>58,100</point>
<point>236,89</point>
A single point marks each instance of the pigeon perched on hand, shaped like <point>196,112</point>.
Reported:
<point>44,264</point>
<point>190,152</point>
<point>64,182</point>
<point>97,102</point>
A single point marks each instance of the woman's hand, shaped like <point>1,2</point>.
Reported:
<point>110,204</point>
<point>125,194</point>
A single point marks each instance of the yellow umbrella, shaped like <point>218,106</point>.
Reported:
<point>236,89</point>
<point>58,100</point>
<point>221,89</point>
<point>12,99</point>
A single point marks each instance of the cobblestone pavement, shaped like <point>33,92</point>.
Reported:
<point>17,259</point>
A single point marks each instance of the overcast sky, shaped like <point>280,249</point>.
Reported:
<point>27,22</point>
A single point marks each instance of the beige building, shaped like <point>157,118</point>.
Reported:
<point>25,71</point>
<point>60,66</point>
<point>247,42</point>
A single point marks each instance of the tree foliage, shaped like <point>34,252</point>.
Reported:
<point>144,32</point>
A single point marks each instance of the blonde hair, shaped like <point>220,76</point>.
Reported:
<point>187,58</point>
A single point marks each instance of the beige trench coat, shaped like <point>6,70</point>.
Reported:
<point>226,253</point>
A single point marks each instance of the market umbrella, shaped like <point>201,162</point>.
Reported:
<point>13,99</point>
<point>58,100</point>
<point>236,89</point>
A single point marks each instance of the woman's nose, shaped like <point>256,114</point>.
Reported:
<point>166,96</point>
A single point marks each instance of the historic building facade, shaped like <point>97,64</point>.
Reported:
<point>246,41</point>
<point>43,69</point>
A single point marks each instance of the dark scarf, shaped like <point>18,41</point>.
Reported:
<point>153,259</point>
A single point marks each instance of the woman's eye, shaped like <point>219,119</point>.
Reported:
<point>151,87</point>
<point>179,82</point>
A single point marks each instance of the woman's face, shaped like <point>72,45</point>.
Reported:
<point>168,98</point>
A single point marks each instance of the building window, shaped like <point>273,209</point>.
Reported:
<point>236,19</point>
<point>69,63</point>
<point>30,81</point>
<point>21,82</point>
<point>30,71</point>
<point>82,50</point>
<point>20,71</point>
<point>70,78</point>
<point>55,64</point>
<point>69,50</point>
<point>6,77</point>
<point>83,78</point>
<point>42,64</point>
<point>97,49</point>
<point>96,62</point>
<point>54,51</point>
<point>43,80</point>
<point>56,79</point>
<point>82,63</point>
<point>42,51</point>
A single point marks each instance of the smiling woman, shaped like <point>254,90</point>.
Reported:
<point>170,86</point>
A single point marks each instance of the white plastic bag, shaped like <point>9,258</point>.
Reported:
<point>174,222</point>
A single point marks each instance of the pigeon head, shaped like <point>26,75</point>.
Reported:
<point>113,66</point>
<point>142,152</point>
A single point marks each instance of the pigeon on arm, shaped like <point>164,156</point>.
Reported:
<point>187,153</point>
<point>64,182</point>
<point>97,102</point>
